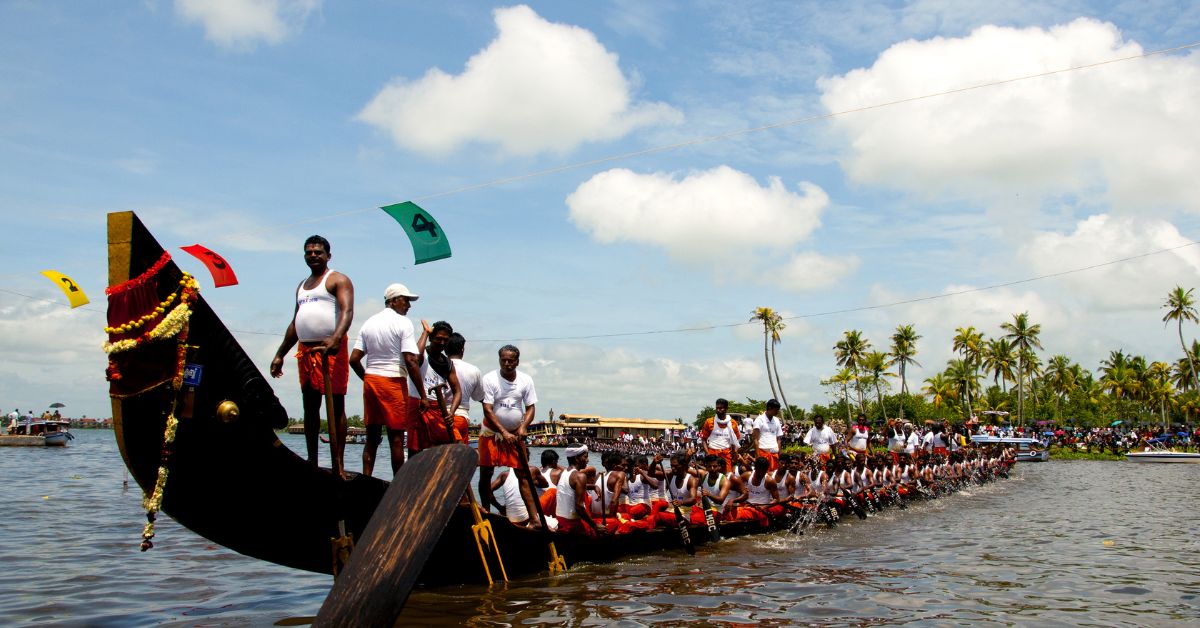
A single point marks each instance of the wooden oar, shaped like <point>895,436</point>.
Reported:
<point>399,538</point>
<point>710,519</point>
<point>334,438</point>
<point>680,522</point>
<point>482,530</point>
<point>558,564</point>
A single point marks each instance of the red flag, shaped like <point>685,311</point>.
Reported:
<point>222,273</point>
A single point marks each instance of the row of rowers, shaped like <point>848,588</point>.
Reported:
<point>632,493</point>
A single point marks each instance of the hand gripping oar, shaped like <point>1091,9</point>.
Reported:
<point>399,539</point>
<point>680,522</point>
<point>558,563</point>
<point>481,531</point>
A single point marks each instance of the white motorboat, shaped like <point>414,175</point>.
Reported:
<point>1163,455</point>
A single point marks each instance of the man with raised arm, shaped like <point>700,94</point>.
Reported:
<point>323,313</point>
<point>509,402</point>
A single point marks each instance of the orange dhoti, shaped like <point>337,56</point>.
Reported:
<point>310,365</point>
<point>462,430</point>
<point>494,452</point>
<point>771,457</point>
<point>385,402</point>
<point>724,454</point>
<point>575,526</point>
<point>548,500</point>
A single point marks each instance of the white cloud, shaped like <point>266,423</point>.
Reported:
<point>810,271</point>
<point>718,213</point>
<point>239,24</point>
<point>216,228</point>
<point>1124,132</point>
<point>52,353</point>
<point>619,381</point>
<point>719,218</point>
<point>142,162</point>
<point>539,86</point>
<point>1137,284</point>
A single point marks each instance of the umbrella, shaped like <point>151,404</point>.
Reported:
<point>58,404</point>
<point>1115,423</point>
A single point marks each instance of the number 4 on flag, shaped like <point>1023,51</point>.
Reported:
<point>424,233</point>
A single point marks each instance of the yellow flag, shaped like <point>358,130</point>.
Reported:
<point>69,287</point>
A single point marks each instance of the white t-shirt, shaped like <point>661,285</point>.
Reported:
<point>820,440</point>
<point>769,431</point>
<point>911,443</point>
<point>432,380</point>
<point>469,377</point>
<point>384,338</point>
<point>508,399</point>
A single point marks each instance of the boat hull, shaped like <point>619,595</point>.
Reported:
<point>1161,457</point>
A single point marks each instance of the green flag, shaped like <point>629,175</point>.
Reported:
<point>428,240</point>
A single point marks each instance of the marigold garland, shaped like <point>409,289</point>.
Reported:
<point>170,325</point>
<point>140,279</point>
<point>174,324</point>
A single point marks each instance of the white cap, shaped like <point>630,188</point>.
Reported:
<point>398,290</point>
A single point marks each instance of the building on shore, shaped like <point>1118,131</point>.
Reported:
<point>607,428</point>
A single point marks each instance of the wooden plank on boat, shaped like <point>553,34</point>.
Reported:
<point>399,538</point>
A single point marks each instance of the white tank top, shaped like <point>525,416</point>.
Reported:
<point>858,441</point>
<point>598,506</point>
<point>549,481</point>
<point>758,494</point>
<point>638,493</point>
<point>678,491</point>
<point>564,499</point>
<point>660,493</point>
<point>510,494</point>
<point>712,491</point>
<point>316,311</point>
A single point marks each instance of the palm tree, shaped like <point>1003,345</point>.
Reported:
<point>939,389</point>
<point>1181,372</point>
<point>1025,337</point>
<point>766,315</point>
<point>843,379</point>
<point>1158,388</point>
<point>777,325</point>
<point>970,343</point>
<point>1061,378</point>
<point>904,347</point>
<point>876,364</point>
<point>999,360</point>
<point>963,380</point>
<point>1181,306</point>
<point>850,352</point>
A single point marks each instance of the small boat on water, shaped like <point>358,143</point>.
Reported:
<point>41,432</point>
<point>1025,449</point>
<point>1163,456</point>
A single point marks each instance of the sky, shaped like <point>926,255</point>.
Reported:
<point>622,182</point>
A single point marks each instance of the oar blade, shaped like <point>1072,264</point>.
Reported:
<point>399,538</point>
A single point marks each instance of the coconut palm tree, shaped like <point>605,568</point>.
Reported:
<point>776,326</point>
<point>904,348</point>
<point>1181,306</point>
<point>1181,372</point>
<point>843,378</point>
<point>850,352</point>
<point>939,389</point>
<point>969,343</point>
<point>766,315</point>
<point>1061,378</point>
<point>876,365</point>
<point>1025,338</point>
<point>999,359</point>
<point>964,381</point>
<point>1158,388</point>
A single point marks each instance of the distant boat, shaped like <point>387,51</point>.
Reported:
<point>49,433</point>
<point>1163,455</point>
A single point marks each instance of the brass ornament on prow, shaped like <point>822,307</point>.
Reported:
<point>228,411</point>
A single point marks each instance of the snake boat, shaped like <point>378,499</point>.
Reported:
<point>195,422</point>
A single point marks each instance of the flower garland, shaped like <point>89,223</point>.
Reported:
<point>170,326</point>
<point>140,279</point>
<point>174,324</point>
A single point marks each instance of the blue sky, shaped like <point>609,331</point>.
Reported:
<point>248,125</point>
